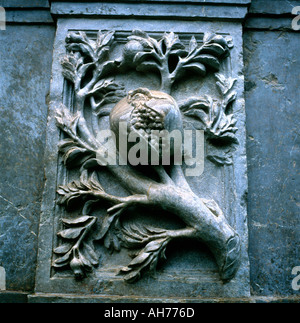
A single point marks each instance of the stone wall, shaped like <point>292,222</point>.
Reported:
<point>25,64</point>
<point>272,100</point>
<point>271,83</point>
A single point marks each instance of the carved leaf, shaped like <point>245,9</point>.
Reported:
<point>132,276</point>
<point>136,235</point>
<point>196,67</point>
<point>152,230</point>
<point>105,92</point>
<point>193,44</point>
<point>79,42</point>
<point>105,226</point>
<point>75,156</point>
<point>77,189</point>
<point>232,259</point>
<point>105,38</point>
<point>66,121</point>
<point>62,261</point>
<point>152,246</point>
<point>111,241</point>
<point>230,97</point>
<point>79,255</point>
<point>139,259</point>
<point>199,108</point>
<point>142,56</point>
<point>104,86</point>
<point>85,50</point>
<point>77,37</point>
<point>109,232</point>
<point>90,254</point>
<point>208,60</point>
<point>94,183</point>
<point>75,221</point>
<point>147,42</point>
<point>146,258</point>
<point>213,49</point>
<point>225,85</point>
<point>67,193</point>
<point>199,114</point>
<point>65,144</point>
<point>69,64</point>
<point>171,41</point>
<point>62,249</point>
<point>204,103</point>
<point>140,33</point>
<point>219,126</point>
<point>72,233</point>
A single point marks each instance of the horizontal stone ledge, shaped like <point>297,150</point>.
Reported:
<point>277,7</point>
<point>191,11</point>
<point>29,16</point>
<point>24,3</point>
<point>269,23</point>
<point>24,297</point>
<point>105,299</point>
<point>205,2</point>
<point>69,298</point>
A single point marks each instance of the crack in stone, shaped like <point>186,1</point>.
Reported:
<point>15,207</point>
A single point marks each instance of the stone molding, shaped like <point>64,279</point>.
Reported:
<point>178,10</point>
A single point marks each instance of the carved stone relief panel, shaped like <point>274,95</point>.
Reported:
<point>127,210</point>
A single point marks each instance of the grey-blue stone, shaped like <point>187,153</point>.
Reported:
<point>25,68</point>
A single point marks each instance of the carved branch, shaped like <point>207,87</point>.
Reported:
<point>90,188</point>
<point>171,59</point>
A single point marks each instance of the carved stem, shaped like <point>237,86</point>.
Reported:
<point>174,234</point>
<point>209,228</point>
<point>84,234</point>
<point>166,80</point>
<point>178,178</point>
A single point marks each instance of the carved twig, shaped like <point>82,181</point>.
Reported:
<point>171,59</point>
<point>154,242</point>
<point>90,188</point>
<point>80,47</point>
<point>76,252</point>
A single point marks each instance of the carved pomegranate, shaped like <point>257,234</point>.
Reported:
<point>147,113</point>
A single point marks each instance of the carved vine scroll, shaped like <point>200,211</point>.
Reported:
<point>88,67</point>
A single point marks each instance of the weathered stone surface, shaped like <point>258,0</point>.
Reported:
<point>272,77</point>
<point>24,3</point>
<point>29,16</point>
<point>25,66</point>
<point>269,23</point>
<point>271,15</point>
<point>193,11</point>
<point>272,7</point>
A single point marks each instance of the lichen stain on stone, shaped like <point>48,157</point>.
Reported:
<point>272,80</point>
